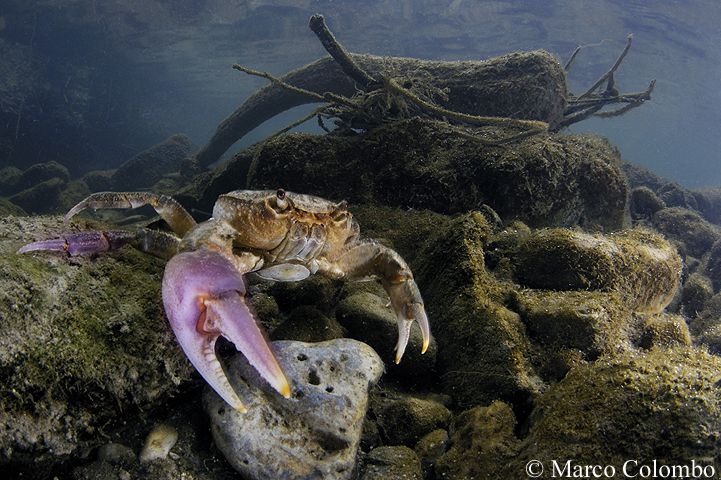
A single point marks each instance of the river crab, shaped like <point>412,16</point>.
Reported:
<point>276,235</point>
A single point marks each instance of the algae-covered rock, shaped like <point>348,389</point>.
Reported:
<point>665,330</point>
<point>690,231</point>
<point>147,168</point>
<point>592,322</point>
<point>641,267</point>
<point>432,446</point>
<point>661,406</point>
<point>696,292</point>
<point>40,198</point>
<point>482,444</point>
<point>313,434</point>
<point>9,208</point>
<point>483,350</point>
<point>643,203</point>
<point>391,463</point>
<point>84,341</point>
<point>42,172</point>
<point>99,180</point>
<point>9,179</point>
<point>405,420</point>
<point>713,266</point>
<point>557,180</point>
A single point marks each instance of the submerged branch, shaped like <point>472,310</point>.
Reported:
<point>336,50</point>
<point>590,102</point>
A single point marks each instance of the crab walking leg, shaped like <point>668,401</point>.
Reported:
<point>203,299</point>
<point>179,220</point>
<point>368,260</point>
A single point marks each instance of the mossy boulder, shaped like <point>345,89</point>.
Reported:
<point>147,168</point>
<point>405,420</point>
<point>391,463</point>
<point>483,443</point>
<point>556,180</point>
<point>84,342</point>
<point>40,198</point>
<point>692,234</point>
<point>483,349</point>
<point>663,405</point>
<point>639,266</point>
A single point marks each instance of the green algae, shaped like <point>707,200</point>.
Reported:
<point>663,404</point>
<point>641,267</point>
<point>84,336</point>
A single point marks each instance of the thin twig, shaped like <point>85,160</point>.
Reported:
<point>336,50</point>
<point>278,81</point>
<point>609,75</point>
<point>573,57</point>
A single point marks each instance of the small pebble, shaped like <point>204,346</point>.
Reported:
<point>158,444</point>
<point>115,453</point>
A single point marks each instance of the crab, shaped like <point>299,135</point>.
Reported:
<point>276,235</point>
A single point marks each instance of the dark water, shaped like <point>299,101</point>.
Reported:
<point>91,83</point>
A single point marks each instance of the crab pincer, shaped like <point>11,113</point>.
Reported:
<point>203,299</point>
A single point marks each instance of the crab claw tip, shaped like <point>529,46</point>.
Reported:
<point>203,298</point>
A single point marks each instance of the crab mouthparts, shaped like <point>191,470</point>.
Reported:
<point>203,299</point>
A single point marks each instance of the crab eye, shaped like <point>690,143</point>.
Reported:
<point>342,207</point>
<point>281,201</point>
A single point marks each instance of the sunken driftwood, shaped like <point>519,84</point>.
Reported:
<point>526,90</point>
<point>524,85</point>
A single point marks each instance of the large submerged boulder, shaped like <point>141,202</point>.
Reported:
<point>556,180</point>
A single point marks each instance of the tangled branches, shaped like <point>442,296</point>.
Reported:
<point>388,98</point>
<point>594,99</point>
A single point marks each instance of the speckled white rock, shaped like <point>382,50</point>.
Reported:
<point>315,433</point>
<point>158,443</point>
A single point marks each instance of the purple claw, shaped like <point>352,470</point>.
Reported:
<point>84,243</point>
<point>203,298</point>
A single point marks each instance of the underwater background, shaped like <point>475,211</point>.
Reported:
<point>90,84</point>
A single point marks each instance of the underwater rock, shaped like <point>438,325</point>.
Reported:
<point>591,322</point>
<point>99,180</point>
<point>9,178</point>
<point>391,463</point>
<point>708,200</point>
<point>692,234</point>
<point>406,420</point>
<point>713,266</point>
<point>673,195</point>
<point>638,176</point>
<point>660,406</point>
<point>432,447</point>
<point>483,349</point>
<point>696,292</point>
<point>116,453</point>
<point>315,433</point>
<point>158,443</point>
<point>367,318</point>
<point>641,267</point>
<point>557,180</point>
<point>84,341</point>
<point>147,168</point>
<point>482,444</point>
<point>41,172</point>
<point>40,198</point>
<point>665,330</point>
<point>643,203</point>
<point>9,208</point>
